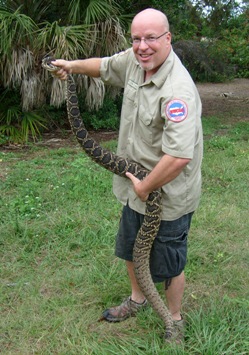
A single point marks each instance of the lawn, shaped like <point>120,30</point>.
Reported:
<point>58,220</point>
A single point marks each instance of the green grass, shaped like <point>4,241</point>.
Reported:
<point>58,220</point>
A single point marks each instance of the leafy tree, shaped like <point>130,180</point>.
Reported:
<point>232,44</point>
<point>184,19</point>
<point>31,29</point>
<point>35,9</point>
<point>216,14</point>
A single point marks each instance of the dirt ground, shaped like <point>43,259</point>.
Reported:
<point>231,98</point>
<point>219,99</point>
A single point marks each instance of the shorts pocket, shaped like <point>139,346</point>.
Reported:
<point>168,255</point>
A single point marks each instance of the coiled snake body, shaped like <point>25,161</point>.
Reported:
<point>119,166</point>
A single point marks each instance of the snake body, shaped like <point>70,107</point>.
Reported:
<point>119,166</point>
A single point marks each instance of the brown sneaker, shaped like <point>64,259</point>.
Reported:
<point>127,309</point>
<point>178,332</point>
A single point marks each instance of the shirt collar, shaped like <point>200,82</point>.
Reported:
<point>160,76</point>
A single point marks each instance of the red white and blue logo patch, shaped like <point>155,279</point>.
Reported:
<point>176,110</point>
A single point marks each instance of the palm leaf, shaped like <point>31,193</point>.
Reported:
<point>32,92</point>
<point>34,9</point>
<point>15,67</point>
<point>111,37</point>
<point>16,30</point>
<point>67,42</point>
<point>100,10</point>
<point>31,124</point>
<point>94,90</point>
<point>12,132</point>
<point>11,115</point>
<point>74,12</point>
<point>92,11</point>
<point>57,93</point>
<point>10,119</point>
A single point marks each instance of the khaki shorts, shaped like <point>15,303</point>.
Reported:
<point>169,251</point>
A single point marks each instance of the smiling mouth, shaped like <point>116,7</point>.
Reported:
<point>145,56</point>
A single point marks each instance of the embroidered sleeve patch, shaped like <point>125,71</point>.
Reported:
<point>176,111</point>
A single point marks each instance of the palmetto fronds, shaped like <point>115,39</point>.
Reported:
<point>94,30</point>
<point>111,35</point>
<point>16,30</point>
<point>65,41</point>
<point>15,66</point>
<point>92,11</point>
<point>31,29</point>
<point>94,88</point>
<point>32,92</point>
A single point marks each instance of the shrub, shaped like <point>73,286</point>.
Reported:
<point>15,125</point>
<point>107,117</point>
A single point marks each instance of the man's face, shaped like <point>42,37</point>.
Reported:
<point>150,54</point>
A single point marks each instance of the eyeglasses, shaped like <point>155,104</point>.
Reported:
<point>149,40</point>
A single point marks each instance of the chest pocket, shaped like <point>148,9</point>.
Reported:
<point>145,124</point>
<point>130,92</point>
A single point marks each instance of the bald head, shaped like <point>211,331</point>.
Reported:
<point>151,16</point>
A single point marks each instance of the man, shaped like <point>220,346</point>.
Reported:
<point>160,129</point>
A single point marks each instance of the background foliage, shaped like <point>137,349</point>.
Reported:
<point>211,38</point>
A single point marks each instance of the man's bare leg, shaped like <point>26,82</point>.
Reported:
<point>174,293</point>
<point>136,293</point>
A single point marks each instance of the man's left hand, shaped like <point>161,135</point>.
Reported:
<point>138,187</point>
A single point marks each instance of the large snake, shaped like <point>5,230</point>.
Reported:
<point>119,166</point>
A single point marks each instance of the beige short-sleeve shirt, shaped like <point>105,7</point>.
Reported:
<point>159,116</point>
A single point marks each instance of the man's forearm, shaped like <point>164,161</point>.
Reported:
<point>167,169</point>
<point>89,67</point>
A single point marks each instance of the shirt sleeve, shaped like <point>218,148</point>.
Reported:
<point>180,133</point>
<point>113,69</point>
